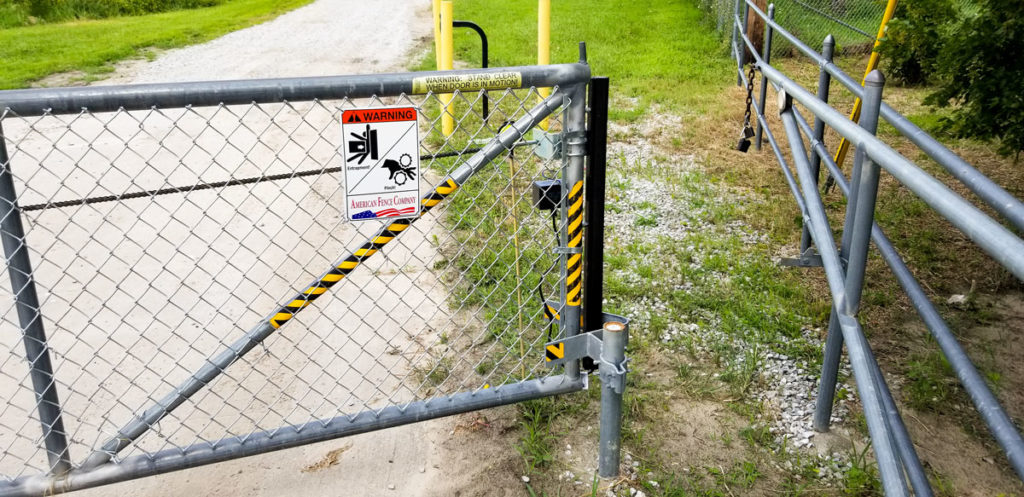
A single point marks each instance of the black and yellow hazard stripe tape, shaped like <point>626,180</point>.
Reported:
<point>554,351</point>
<point>374,244</point>
<point>574,269</point>
<point>551,314</point>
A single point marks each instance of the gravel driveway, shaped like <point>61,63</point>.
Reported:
<point>324,38</point>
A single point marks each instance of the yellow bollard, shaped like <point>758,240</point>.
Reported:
<point>437,33</point>
<point>872,64</point>
<point>544,45</point>
<point>447,120</point>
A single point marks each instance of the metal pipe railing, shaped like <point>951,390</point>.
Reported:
<point>875,151</point>
<point>1004,246</point>
<point>874,412</point>
<point>992,413</point>
<point>209,452</point>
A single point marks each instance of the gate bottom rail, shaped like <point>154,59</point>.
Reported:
<point>290,436</point>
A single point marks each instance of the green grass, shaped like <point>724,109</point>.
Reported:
<point>28,54</point>
<point>14,13</point>
<point>658,51</point>
<point>660,58</point>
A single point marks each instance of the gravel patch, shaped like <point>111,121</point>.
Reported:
<point>653,210</point>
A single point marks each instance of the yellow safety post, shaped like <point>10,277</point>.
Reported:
<point>437,33</point>
<point>544,46</point>
<point>447,114</point>
<point>872,64</point>
<point>513,197</point>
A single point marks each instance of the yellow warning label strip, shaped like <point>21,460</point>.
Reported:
<point>467,82</point>
<point>375,243</point>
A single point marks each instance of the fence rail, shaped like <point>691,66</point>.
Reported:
<point>844,265</point>
<point>163,225</point>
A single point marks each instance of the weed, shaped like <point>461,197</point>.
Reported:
<point>931,385</point>
<point>757,436</point>
<point>861,478</point>
<point>535,445</point>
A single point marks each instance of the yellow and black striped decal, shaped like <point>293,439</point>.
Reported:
<point>574,270</point>
<point>550,313</point>
<point>337,273</point>
<point>554,351</point>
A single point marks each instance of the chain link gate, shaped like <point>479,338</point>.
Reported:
<point>153,235</point>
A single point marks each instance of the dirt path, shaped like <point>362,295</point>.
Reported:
<point>326,37</point>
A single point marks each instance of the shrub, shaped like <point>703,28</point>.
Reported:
<point>983,76</point>
<point>913,45</point>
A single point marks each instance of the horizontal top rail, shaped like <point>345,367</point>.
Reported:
<point>1008,206</point>
<point>42,101</point>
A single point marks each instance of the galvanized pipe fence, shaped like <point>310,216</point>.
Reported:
<point>899,466</point>
<point>146,227</point>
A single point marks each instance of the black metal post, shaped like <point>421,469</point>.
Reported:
<point>483,54</point>
<point>593,242</point>
<point>23,288</point>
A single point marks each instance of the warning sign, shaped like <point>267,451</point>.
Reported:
<point>382,162</point>
<point>468,82</point>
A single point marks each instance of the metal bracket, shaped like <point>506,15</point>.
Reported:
<point>573,348</point>
<point>549,145</point>
<point>589,344</point>
<point>568,250</point>
<point>809,258</point>
<point>614,375</point>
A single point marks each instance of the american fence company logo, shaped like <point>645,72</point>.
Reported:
<point>384,206</point>
<point>381,149</point>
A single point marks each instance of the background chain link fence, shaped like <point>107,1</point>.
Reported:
<point>200,222</point>
<point>853,24</point>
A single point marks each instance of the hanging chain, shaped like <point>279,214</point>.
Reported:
<point>750,98</point>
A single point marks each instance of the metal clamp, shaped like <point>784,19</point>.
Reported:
<point>809,258</point>
<point>614,375</point>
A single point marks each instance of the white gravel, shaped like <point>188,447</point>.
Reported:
<point>654,209</point>
<point>327,37</point>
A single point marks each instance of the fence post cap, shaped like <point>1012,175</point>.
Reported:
<point>874,78</point>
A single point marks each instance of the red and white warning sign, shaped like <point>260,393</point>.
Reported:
<point>382,162</point>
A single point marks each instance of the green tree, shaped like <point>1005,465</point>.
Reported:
<point>983,76</point>
<point>913,45</point>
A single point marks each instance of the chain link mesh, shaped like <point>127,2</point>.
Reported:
<point>853,23</point>
<point>202,221</point>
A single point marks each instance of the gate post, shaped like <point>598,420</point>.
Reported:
<point>834,339</point>
<point>767,57</point>
<point>571,237</point>
<point>593,263</point>
<point>824,82</point>
<point>613,384</point>
<point>23,288</point>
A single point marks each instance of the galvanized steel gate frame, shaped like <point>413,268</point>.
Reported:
<point>581,212</point>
